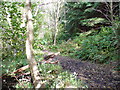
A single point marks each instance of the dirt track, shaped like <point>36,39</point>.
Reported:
<point>94,75</point>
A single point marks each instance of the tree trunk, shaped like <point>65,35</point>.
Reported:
<point>56,32</point>
<point>56,19</point>
<point>111,11</point>
<point>29,52</point>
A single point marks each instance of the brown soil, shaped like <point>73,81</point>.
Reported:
<point>94,75</point>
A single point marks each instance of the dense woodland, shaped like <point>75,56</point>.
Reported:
<point>60,44</point>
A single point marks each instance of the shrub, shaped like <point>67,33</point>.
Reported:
<point>99,48</point>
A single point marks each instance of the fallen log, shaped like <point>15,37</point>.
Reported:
<point>47,60</point>
<point>44,61</point>
<point>27,66</point>
<point>21,69</point>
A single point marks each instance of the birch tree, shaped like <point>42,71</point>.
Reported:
<point>29,49</point>
<point>54,10</point>
<point>57,13</point>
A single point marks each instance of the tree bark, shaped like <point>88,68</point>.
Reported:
<point>57,13</point>
<point>111,11</point>
<point>56,32</point>
<point>29,49</point>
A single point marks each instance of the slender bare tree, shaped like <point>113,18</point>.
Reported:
<point>29,49</point>
<point>54,11</point>
<point>56,14</point>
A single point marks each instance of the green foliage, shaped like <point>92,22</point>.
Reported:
<point>95,46</point>
<point>25,84</point>
<point>92,21</point>
<point>79,14</point>
<point>41,35</point>
<point>11,64</point>
<point>13,35</point>
<point>98,48</point>
<point>55,77</point>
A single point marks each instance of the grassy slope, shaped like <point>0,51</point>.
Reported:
<point>93,46</point>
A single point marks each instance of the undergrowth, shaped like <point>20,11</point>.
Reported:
<point>95,46</point>
<point>53,76</point>
<point>11,64</point>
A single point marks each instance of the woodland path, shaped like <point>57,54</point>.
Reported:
<point>94,75</point>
